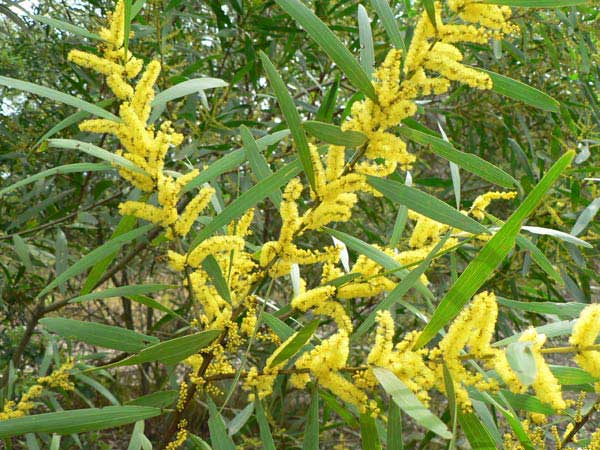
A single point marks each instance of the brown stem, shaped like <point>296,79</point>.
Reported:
<point>578,425</point>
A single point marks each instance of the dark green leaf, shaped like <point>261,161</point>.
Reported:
<point>332,134</point>
<point>301,337</point>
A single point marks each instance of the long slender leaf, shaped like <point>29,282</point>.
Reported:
<point>265,432</point>
<point>537,3</point>
<point>219,438</point>
<point>62,25</point>
<point>58,96</point>
<point>77,421</point>
<point>389,23</point>
<point>292,117</point>
<point>332,134</point>
<point>311,431</point>
<point>365,35</point>
<point>480,268</point>
<point>292,347</point>
<point>122,291</point>
<point>323,36</point>
<point>477,435</point>
<point>368,433</point>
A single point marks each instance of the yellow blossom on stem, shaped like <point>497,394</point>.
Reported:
<point>585,332</point>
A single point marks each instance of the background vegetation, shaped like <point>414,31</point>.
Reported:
<point>51,224</point>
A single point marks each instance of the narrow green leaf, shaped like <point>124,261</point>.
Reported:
<point>281,329</point>
<point>394,431</point>
<point>137,7</point>
<point>122,291</point>
<point>386,16</point>
<point>170,352</point>
<point>569,310</point>
<point>521,360</point>
<point>332,134</point>
<point>327,108</point>
<point>212,268</point>
<point>240,419</point>
<point>300,338</point>
<point>58,96</point>
<point>430,9</point>
<point>330,44</point>
<point>258,162</point>
<point>77,421</point>
<point>520,91</point>
<point>467,161</point>
<point>452,404</point>
<point>106,336</point>
<point>538,3</point>
<point>311,431</point>
<point>572,375</point>
<point>150,302</point>
<point>22,251</point>
<point>219,438</point>
<point>554,329</point>
<point>558,234</point>
<point>96,255</point>
<point>55,443</point>
<point>426,204</point>
<point>399,291</point>
<point>365,35</point>
<point>95,151</point>
<point>540,258</point>
<point>586,217</point>
<point>368,433</point>
<point>62,25</point>
<point>248,199</point>
<point>477,435</point>
<point>126,224</point>
<point>60,170</point>
<point>492,254</point>
<point>126,25</point>
<point>157,399</point>
<point>291,115</point>
<point>409,403</point>
<point>263,425</point>
<point>182,89</point>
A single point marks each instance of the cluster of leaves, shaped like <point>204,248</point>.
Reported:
<point>63,243</point>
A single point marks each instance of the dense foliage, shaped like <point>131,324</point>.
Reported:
<point>300,225</point>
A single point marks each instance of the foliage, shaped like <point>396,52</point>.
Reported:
<point>299,224</point>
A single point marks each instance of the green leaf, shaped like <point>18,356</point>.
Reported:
<point>96,255</point>
<point>426,204</point>
<point>127,223</point>
<point>219,438</point>
<point>258,162</point>
<point>169,352</point>
<point>61,97</point>
<point>62,25</point>
<point>95,151</point>
<point>394,431</point>
<point>430,9</point>
<point>311,431</point>
<point>281,329</point>
<point>263,425</point>
<point>409,403</point>
<point>521,360</point>
<point>467,161</point>
<point>248,199</point>
<point>327,108</point>
<point>158,399</point>
<point>137,7</point>
<point>399,291</point>
<point>368,433</point>
<point>554,329</point>
<point>212,268</point>
<point>477,435</point>
<point>77,421</point>
<point>566,237</point>
<point>540,258</point>
<point>569,376</point>
<point>492,254</point>
<point>22,251</point>
<point>365,35</point>
<point>60,170</point>
<point>330,44</point>
<point>182,89</point>
<point>150,302</point>
<point>586,216</point>
<point>240,419</point>
<point>332,134</point>
<point>122,291</point>
<point>106,336</point>
<point>301,337</point>
<point>538,3</point>
<point>520,91</point>
<point>452,404</point>
<point>386,16</point>
<point>569,310</point>
<point>292,117</point>
<point>126,26</point>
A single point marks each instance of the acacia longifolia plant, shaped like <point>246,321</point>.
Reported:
<point>301,225</point>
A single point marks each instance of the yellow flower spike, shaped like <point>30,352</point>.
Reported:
<point>321,300</point>
<point>337,210</point>
<point>115,33</point>
<point>585,332</point>
<point>142,210</point>
<point>426,230</point>
<point>489,16</point>
<point>177,262</point>
<point>183,180</point>
<point>324,362</point>
<point>343,185</point>
<point>336,160</point>
<point>241,228</point>
<point>212,246</point>
<point>144,91</point>
<point>319,171</point>
<point>545,385</point>
<point>180,437</point>
<point>380,352</point>
<point>192,211</point>
<point>481,203</point>
<point>119,86</point>
<point>388,76</point>
<point>93,62</point>
<point>100,126</point>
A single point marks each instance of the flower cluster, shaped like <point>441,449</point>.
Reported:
<point>57,379</point>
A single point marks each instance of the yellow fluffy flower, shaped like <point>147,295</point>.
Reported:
<point>585,332</point>
<point>321,300</point>
<point>483,201</point>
